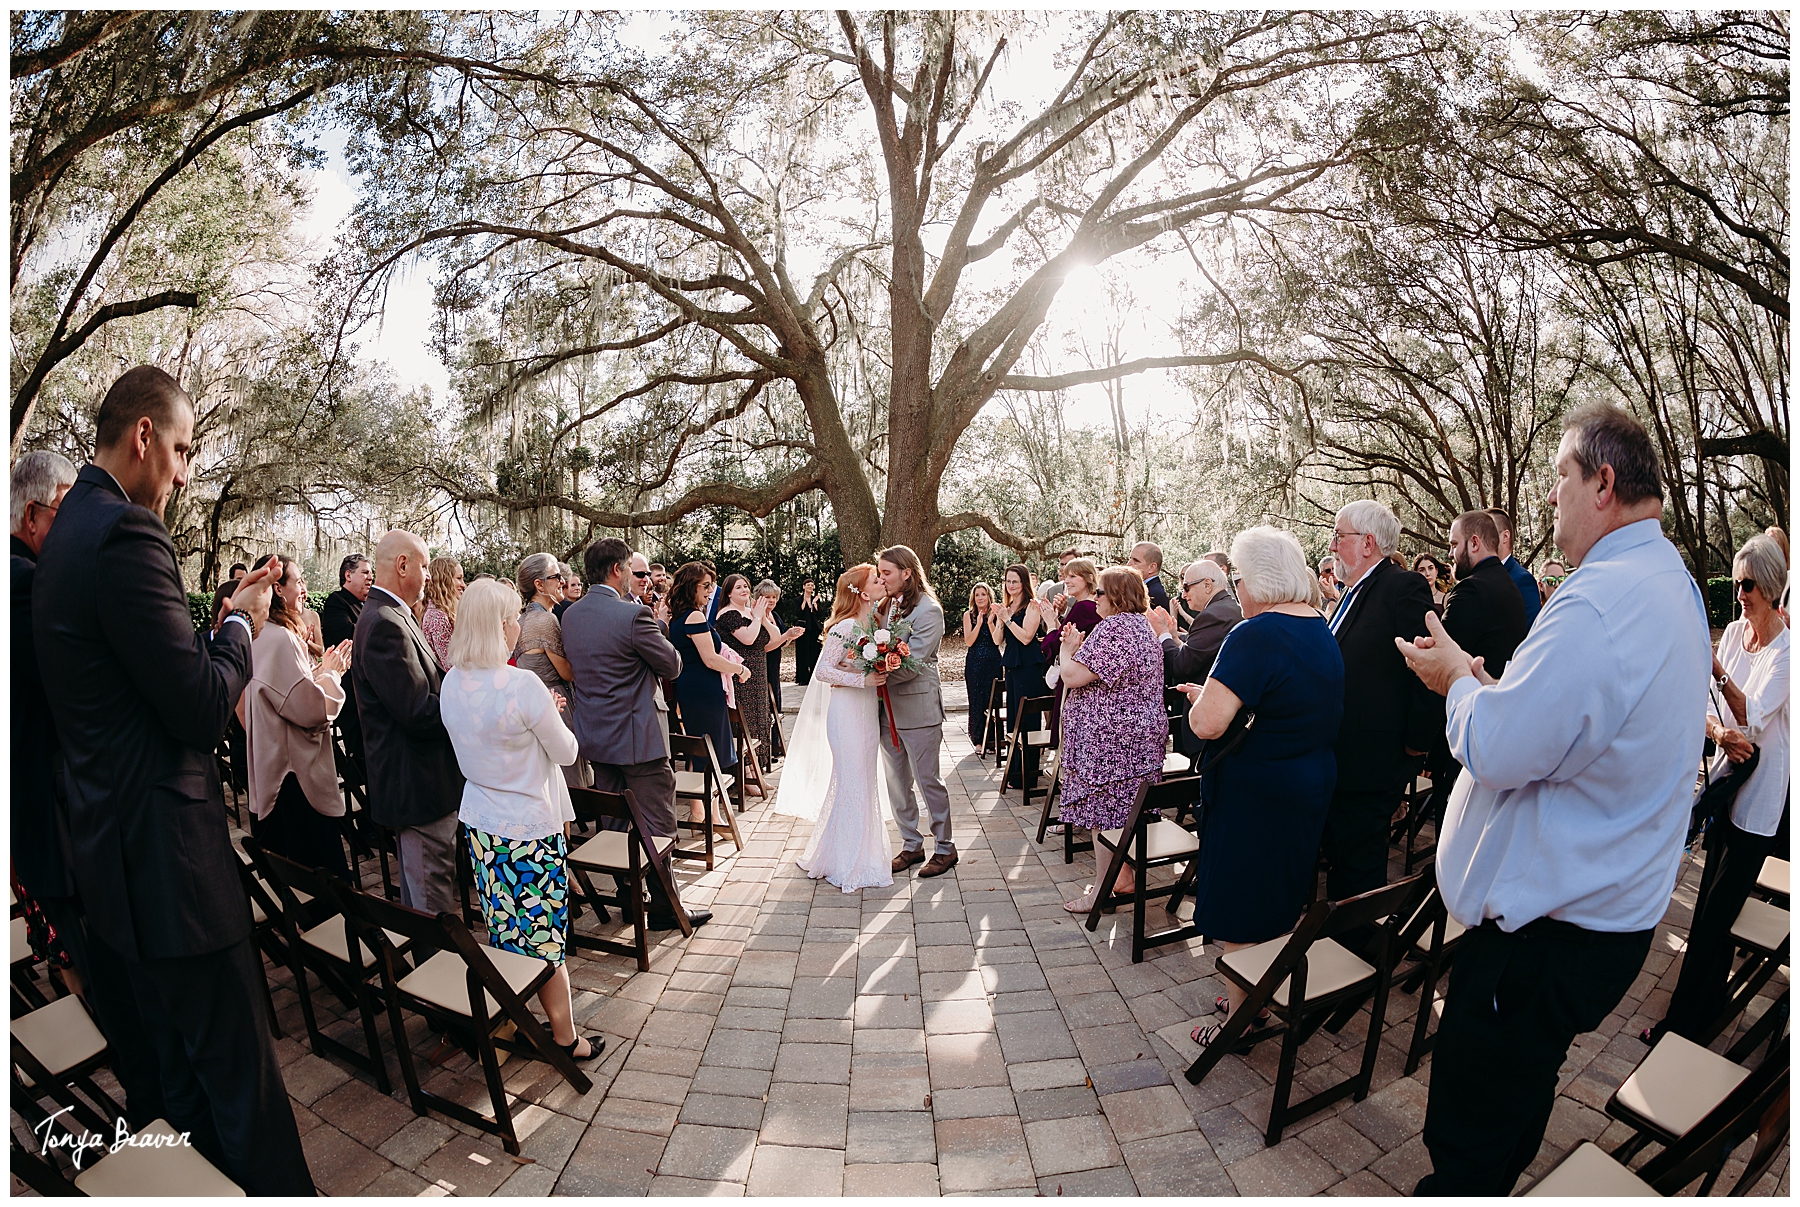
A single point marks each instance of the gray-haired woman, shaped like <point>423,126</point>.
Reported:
<point>1266,801</point>
<point>539,648</point>
<point>1747,712</point>
<point>770,590</point>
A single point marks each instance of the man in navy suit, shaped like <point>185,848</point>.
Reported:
<point>140,702</point>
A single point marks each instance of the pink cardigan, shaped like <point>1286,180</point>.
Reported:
<point>288,709</point>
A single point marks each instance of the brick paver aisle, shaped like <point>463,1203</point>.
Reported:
<point>955,1035</point>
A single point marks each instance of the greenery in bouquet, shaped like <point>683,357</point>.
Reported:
<point>882,646</point>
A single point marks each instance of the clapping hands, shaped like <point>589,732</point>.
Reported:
<point>337,658</point>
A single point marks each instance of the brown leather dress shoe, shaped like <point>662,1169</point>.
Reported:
<point>938,864</point>
<point>906,859</point>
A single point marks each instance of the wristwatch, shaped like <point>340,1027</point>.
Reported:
<point>1721,682</point>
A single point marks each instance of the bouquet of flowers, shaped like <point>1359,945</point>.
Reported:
<point>883,648</point>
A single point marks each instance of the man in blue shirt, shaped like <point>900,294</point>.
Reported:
<point>1562,840</point>
<point>1521,577</point>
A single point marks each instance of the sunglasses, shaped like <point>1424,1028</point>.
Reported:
<point>1746,585</point>
<point>640,574</point>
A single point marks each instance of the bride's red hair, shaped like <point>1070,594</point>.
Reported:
<point>850,587</point>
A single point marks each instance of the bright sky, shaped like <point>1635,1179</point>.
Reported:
<point>1025,76</point>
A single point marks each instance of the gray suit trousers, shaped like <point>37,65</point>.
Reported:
<point>916,763</point>
<point>652,782</point>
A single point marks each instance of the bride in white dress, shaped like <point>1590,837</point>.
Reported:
<point>832,773</point>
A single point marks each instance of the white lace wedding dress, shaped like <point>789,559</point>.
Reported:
<point>832,775</point>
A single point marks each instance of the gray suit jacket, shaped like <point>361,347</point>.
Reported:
<point>618,653</point>
<point>918,697</point>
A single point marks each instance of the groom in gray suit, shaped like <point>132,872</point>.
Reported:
<point>918,706</point>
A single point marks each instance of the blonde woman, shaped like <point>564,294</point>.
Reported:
<point>443,587</point>
<point>981,659</point>
<point>512,744</point>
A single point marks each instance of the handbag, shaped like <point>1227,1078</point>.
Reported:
<point>1715,799</point>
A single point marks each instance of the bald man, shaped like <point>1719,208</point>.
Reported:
<point>415,786</point>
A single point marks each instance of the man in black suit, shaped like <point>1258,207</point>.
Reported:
<point>1203,590</point>
<point>140,701</point>
<point>337,623</point>
<point>415,786</point>
<point>1389,716</point>
<point>1485,615</point>
<point>1146,559</point>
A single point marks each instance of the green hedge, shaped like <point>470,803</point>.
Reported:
<point>1721,601</point>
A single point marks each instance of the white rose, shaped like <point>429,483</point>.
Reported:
<point>869,651</point>
<point>882,636</point>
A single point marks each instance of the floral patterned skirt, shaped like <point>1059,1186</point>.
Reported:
<point>524,888</point>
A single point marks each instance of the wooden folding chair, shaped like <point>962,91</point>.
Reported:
<point>463,987</point>
<point>1430,938</point>
<point>319,939</point>
<point>1674,1088</point>
<point>749,766</point>
<point>993,731</point>
<point>1772,882</point>
<point>629,856</point>
<point>698,778</point>
<point>1030,738</point>
<point>1424,798</point>
<point>24,967</point>
<point>265,928</point>
<point>170,1169</point>
<point>1153,843</point>
<point>1756,1106</point>
<point>777,743</point>
<point>55,1051</point>
<point>38,1171</point>
<point>367,838</point>
<point>1306,979</point>
<point>1761,930</point>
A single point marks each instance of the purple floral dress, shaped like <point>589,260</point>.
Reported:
<point>1114,729</point>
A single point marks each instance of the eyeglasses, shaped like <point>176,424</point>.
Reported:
<point>1746,585</point>
<point>46,506</point>
<point>1195,583</point>
<point>1338,536</point>
<point>640,574</point>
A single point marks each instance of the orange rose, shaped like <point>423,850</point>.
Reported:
<point>893,662</point>
<point>905,652</point>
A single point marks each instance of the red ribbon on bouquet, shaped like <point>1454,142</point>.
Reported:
<point>882,691</point>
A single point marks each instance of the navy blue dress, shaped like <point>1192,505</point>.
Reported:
<point>701,692</point>
<point>1265,803</point>
<point>981,667</point>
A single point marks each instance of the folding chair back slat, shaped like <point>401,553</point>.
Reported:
<point>647,856</point>
<point>1030,737</point>
<point>1149,843</point>
<point>695,754</point>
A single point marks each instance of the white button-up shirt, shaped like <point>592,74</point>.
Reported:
<point>1580,763</point>
<point>1763,678</point>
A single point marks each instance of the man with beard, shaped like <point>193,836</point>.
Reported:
<point>1484,613</point>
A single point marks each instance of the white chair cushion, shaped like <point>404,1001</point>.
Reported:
<point>21,942</point>
<point>1329,968</point>
<point>329,937</point>
<point>610,851</point>
<point>690,783</point>
<point>1760,924</point>
<point>177,1171</point>
<point>60,1035</point>
<point>257,917</point>
<point>1166,840</point>
<point>1037,737</point>
<point>1774,876</point>
<point>1678,1083</point>
<point>443,979</point>
<point>1173,763</point>
<point>1590,1173</point>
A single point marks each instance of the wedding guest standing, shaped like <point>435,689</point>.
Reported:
<point>1266,799</point>
<point>443,587</point>
<point>1146,559</point>
<point>981,659</point>
<point>140,701</point>
<point>1077,606</point>
<point>1015,625</point>
<point>1431,570</point>
<point>1563,839</point>
<point>700,693</point>
<point>780,635</point>
<point>414,784</point>
<point>288,709</point>
<point>1528,588</point>
<point>539,648</point>
<point>511,745</point>
<point>744,624</point>
<point>813,610</point>
<point>1747,714</point>
<point>337,622</point>
<point>1216,613</point>
<point>1114,726</point>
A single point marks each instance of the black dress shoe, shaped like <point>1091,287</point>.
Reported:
<point>696,917</point>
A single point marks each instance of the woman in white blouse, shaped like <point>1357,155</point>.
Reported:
<point>1748,711</point>
<point>287,712</point>
<point>512,746</point>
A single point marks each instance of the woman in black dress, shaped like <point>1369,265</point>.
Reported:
<point>1015,626</point>
<point>700,691</point>
<point>813,611</point>
<point>981,662</point>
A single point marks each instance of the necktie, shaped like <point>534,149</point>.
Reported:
<point>1343,610</point>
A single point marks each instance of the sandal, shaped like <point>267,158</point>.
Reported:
<point>1085,903</point>
<point>1222,1004</point>
<point>596,1046</point>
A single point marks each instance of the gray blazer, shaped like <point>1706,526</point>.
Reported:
<point>617,652</point>
<point>917,696</point>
